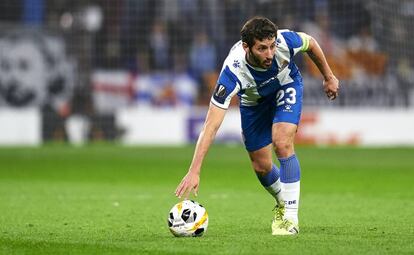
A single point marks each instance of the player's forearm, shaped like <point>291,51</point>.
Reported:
<point>214,118</point>
<point>205,139</point>
<point>316,54</point>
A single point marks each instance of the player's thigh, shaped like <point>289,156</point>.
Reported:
<point>283,133</point>
<point>257,124</point>
<point>261,159</point>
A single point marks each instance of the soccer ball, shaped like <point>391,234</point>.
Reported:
<point>188,218</point>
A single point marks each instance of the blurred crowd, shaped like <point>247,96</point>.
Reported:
<point>174,48</point>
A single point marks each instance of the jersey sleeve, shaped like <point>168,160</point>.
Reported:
<point>296,41</point>
<point>305,41</point>
<point>227,86</point>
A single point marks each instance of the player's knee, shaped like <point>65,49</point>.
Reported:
<point>283,149</point>
<point>261,167</point>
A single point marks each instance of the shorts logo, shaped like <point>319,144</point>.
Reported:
<point>220,91</point>
<point>288,108</point>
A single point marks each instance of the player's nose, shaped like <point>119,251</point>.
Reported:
<point>269,54</point>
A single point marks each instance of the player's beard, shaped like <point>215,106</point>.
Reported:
<point>256,61</point>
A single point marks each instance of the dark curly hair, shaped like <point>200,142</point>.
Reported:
<point>257,28</point>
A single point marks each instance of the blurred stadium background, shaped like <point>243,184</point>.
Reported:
<point>142,71</point>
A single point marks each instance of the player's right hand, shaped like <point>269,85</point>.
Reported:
<point>187,185</point>
<point>331,87</point>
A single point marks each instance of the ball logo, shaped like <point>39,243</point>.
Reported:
<point>220,91</point>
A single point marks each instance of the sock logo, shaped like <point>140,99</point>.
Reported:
<point>290,202</point>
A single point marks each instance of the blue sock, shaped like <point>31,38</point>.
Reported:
<point>271,182</point>
<point>289,169</point>
<point>270,178</point>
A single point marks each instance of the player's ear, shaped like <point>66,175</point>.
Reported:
<point>245,47</point>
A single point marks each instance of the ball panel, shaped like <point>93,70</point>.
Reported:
<point>199,232</point>
<point>186,215</point>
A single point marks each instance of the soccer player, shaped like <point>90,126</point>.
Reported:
<point>261,71</point>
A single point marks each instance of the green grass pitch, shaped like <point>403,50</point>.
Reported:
<point>105,199</point>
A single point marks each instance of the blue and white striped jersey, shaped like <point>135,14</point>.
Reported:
<point>253,85</point>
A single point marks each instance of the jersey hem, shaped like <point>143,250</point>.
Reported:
<point>217,104</point>
<point>257,147</point>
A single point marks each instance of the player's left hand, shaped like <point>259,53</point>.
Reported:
<point>331,87</point>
